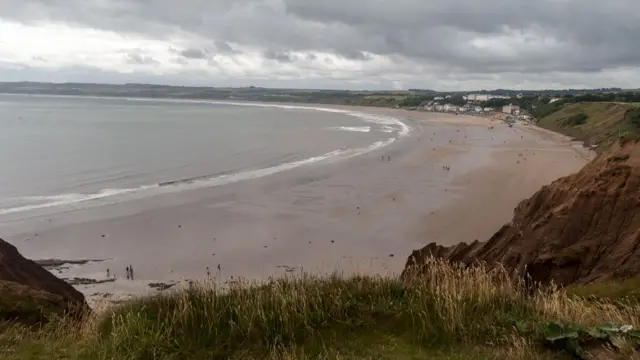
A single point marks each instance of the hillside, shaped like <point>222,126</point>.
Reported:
<point>582,228</point>
<point>597,123</point>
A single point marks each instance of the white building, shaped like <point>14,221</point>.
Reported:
<point>450,107</point>
<point>553,100</point>
<point>477,109</point>
<point>477,97</point>
<point>511,109</point>
<point>483,97</point>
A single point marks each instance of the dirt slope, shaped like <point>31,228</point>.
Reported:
<point>23,276</point>
<point>579,229</point>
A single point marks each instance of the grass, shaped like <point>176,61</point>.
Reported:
<point>450,313</point>
<point>598,123</point>
<point>625,292</point>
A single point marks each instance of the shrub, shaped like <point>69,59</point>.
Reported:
<point>575,120</point>
<point>633,116</point>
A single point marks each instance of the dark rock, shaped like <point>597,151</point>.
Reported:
<point>24,278</point>
<point>160,286</point>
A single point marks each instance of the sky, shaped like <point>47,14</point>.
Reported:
<point>447,45</point>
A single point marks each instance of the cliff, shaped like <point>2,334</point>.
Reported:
<point>579,229</point>
<point>30,293</point>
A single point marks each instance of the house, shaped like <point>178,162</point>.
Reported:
<point>439,107</point>
<point>487,109</point>
<point>477,109</point>
<point>511,109</point>
<point>450,107</point>
<point>477,97</point>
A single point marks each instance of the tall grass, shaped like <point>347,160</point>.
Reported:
<point>455,311</point>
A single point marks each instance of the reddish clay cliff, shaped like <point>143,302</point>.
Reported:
<point>579,229</point>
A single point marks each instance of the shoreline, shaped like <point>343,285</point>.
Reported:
<point>362,215</point>
<point>396,128</point>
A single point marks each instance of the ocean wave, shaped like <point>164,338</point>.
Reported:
<point>68,199</point>
<point>388,124</point>
<point>353,128</point>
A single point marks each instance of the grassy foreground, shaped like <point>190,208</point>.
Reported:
<point>451,313</point>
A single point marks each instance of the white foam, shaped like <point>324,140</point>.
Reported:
<point>68,199</point>
<point>353,128</point>
<point>386,129</point>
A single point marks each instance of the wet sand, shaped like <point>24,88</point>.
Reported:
<point>453,179</point>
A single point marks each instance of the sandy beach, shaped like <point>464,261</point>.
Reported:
<point>453,179</point>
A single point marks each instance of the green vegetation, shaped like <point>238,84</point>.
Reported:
<point>576,339</point>
<point>633,116</point>
<point>626,292</point>
<point>543,110</point>
<point>596,123</point>
<point>414,100</point>
<point>496,103</point>
<point>449,313</point>
<point>574,120</point>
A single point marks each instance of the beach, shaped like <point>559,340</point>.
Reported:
<point>454,178</point>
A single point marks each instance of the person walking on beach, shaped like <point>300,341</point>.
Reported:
<point>128,273</point>
<point>131,271</point>
<point>108,273</point>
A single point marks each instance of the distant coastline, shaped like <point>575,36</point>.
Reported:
<point>375,98</point>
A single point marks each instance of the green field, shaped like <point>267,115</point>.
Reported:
<point>450,313</point>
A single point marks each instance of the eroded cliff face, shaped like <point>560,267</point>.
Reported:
<point>30,293</point>
<point>579,229</point>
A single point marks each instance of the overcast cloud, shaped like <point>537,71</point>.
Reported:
<point>438,44</point>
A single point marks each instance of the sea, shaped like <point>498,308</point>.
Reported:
<point>62,152</point>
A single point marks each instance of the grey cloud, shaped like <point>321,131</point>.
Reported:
<point>356,55</point>
<point>180,60</point>
<point>139,59</point>
<point>194,53</point>
<point>571,36</point>
<point>279,56</point>
<point>224,48</point>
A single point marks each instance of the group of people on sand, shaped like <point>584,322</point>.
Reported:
<point>382,158</point>
<point>128,269</point>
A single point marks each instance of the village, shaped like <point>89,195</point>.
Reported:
<point>473,106</point>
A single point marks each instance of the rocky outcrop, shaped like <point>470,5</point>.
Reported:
<point>21,278</point>
<point>579,229</point>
